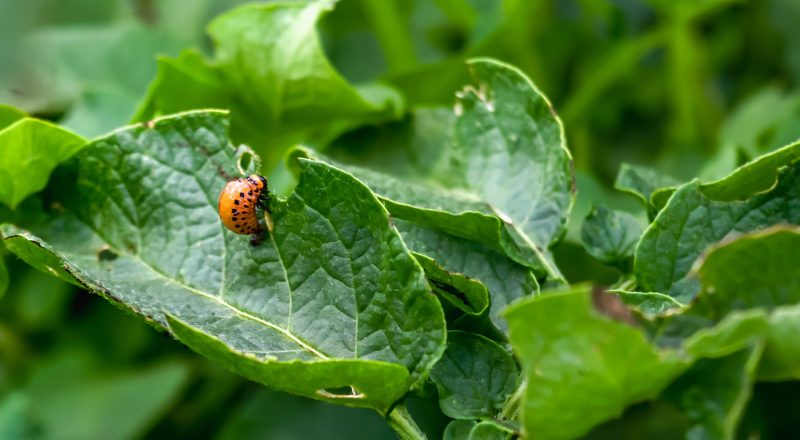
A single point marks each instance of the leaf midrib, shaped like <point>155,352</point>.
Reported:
<point>285,332</point>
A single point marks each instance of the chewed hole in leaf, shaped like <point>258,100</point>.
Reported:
<point>345,392</point>
<point>106,254</point>
<point>247,160</point>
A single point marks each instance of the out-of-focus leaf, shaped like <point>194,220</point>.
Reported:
<point>736,332</point>
<point>331,299</point>
<point>475,377</point>
<point>505,279</point>
<point>509,185</point>
<point>731,281</point>
<point>267,415</point>
<point>772,282</point>
<point>781,360</point>
<point>270,70</point>
<point>467,294</point>
<point>29,151</point>
<point>713,393</point>
<point>9,115</point>
<point>694,220</point>
<point>611,236</point>
<point>113,406</point>
<point>3,278</point>
<point>15,420</point>
<point>571,356</point>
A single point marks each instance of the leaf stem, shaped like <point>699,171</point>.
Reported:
<point>403,424</point>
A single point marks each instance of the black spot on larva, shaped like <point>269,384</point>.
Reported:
<point>235,202</point>
<point>238,226</point>
<point>249,193</point>
<point>235,219</point>
<point>234,211</point>
<point>241,194</point>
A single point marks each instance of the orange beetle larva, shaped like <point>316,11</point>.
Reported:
<point>238,202</point>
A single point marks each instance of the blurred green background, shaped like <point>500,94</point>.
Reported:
<point>690,87</point>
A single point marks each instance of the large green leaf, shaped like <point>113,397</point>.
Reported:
<point>508,181</point>
<point>580,368</point>
<point>475,377</point>
<point>29,151</point>
<point>331,299</point>
<point>693,220</point>
<point>271,71</point>
<point>505,280</point>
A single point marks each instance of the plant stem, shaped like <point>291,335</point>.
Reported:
<point>400,420</point>
<point>393,36</point>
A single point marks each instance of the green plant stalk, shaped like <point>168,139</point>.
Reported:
<point>393,36</point>
<point>403,424</point>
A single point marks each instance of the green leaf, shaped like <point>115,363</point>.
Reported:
<point>120,405</point>
<point>736,332</point>
<point>331,299</point>
<point>693,220</point>
<point>3,278</point>
<point>505,280</point>
<point>490,430</point>
<point>757,176</point>
<point>611,236</point>
<point>267,414</point>
<point>641,182</point>
<point>15,420</point>
<point>731,281</point>
<point>649,304</point>
<point>467,294</point>
<point>781,359</point>
<point>571,356</point>
<point>9,115</point>
<point>29,151</point>
<point>458,429</point>
<point>713,393</point>
<point>287,94</point>
<point>509,181</point>
<point>475,377</point>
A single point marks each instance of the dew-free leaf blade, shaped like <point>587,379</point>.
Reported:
<point>332,282</point>
<point>713,392</point>
<point>508,182</point>
<point>571,356</point>
<point>692,221</point>
<point>270,70</point>
<point>467,294</point>
<point>505,280</point>
<point>475,377</point>
<point>611,236</point>
<point>29,151</point>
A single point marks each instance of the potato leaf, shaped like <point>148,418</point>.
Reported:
<point>331,306</point>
